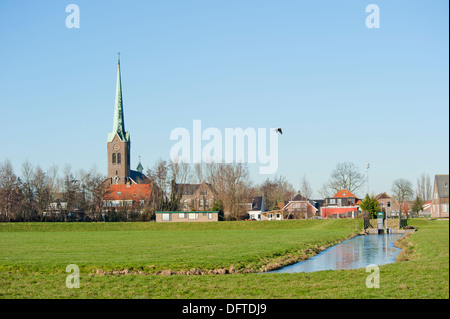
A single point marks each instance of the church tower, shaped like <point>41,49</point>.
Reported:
<point>118,144</point>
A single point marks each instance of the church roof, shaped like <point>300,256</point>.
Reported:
<point>119,122</point>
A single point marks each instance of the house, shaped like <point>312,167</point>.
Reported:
<point>342,205</point>
<point>388,203</point>
<point>255,206</point>
<point>272,215</point>
<point>191,216</point>
<point>439,203</point>
<point>299,208</point>
<point>199,197</point>
<point>129,195</point>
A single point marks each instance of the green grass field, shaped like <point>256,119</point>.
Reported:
<point>33,258</point>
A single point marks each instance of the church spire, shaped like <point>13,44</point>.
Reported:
<point>119,122</point>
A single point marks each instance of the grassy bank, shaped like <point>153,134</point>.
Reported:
<point>37,259</point>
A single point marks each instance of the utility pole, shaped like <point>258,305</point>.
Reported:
<point>367,170</point>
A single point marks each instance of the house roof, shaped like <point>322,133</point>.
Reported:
<point>128,192</point>
<point>298,201</point>
<point>137,177</point>
<point>190,189</point>
<point>382,196</point>
<point>343,193</point>
<point>299,197</point>
<point>442,185</point>
<point>257,203</point>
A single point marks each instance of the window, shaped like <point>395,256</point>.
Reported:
<point>181,215</point>
<point>209,215</point>
<point>278,216</point>
<point>200,203</point>
<point>166,217</point>
<point>206,203</point>
<point>114,158</point>
<point>444,208</point>
<point>193,215</point>
<point>295,205</point>
<point>388,204</point>
<point>118,158</point>
<point>270,216</point>
<point>185,204</point>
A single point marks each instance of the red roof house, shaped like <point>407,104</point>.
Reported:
<point>343,204</point>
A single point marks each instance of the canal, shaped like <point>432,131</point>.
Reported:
<point>357,252</point>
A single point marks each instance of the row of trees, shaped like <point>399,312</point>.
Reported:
<point>37,194</point>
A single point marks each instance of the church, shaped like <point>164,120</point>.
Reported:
<point>122,185</point>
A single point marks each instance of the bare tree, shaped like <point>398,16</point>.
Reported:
<point>402,192</point>
<point>180,171</point>
<point>10,194</point>
<point>325,191</point>
<point>71,189</point>
<point>198,169</point>
<point>276,190</point>
<point>305,187</point>
<point>28,206</point>
<point>424,187</point>
<point>230,183</point>
<point>42,190</point>
<point>346,176</point>
<point>90,199</point>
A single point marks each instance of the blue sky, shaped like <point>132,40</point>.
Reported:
<point>340,91</point>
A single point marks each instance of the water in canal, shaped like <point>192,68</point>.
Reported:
<point>357,252</point>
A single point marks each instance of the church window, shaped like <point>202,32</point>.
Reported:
<point>114,158</point>
<point>118,158</point>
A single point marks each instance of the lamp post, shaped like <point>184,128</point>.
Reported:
<point>367,170</point>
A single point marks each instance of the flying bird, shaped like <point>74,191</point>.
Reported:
<point>278,130</point>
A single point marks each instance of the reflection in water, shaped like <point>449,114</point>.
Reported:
<point>357,252</point>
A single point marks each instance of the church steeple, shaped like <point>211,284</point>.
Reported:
<point>118,144</point>
<point>118,122</point>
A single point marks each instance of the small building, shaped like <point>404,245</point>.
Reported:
<point>388,204</point>
<point>299,208</point>
<point>439,203</point>
<point>272,215</point>
<point>192,216</point>
<point>342,205</point>
<point>255,207</point>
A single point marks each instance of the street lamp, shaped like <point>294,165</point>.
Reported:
<point>367,170</point>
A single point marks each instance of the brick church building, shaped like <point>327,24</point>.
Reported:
<point>122,185</point>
